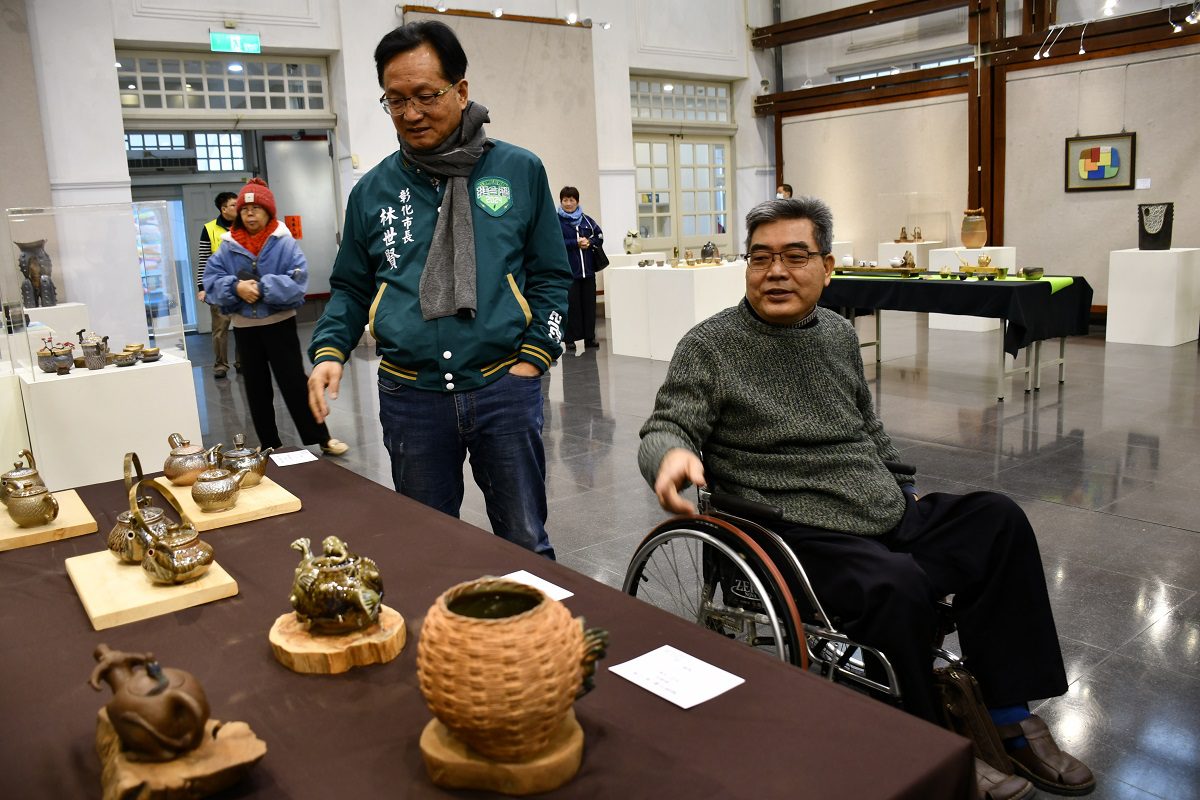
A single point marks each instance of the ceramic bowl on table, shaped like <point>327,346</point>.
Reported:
<point>125,359</point>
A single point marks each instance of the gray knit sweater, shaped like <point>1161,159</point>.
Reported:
<point>782,415</point>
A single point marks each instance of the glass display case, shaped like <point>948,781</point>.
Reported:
<point>14,434</point>
<point>914,211</point>
<point>104,269</point>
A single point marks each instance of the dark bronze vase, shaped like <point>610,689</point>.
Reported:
<point>1155,221</point>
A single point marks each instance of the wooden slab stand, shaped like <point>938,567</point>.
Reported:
<point>301,651</point>
<point>267,499</point>
<point>114,594</point>
<point>73,520</point>
<point>453,765</point>
<point>225,755</point>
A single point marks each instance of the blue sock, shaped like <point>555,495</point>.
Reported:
<point>1007,715</point>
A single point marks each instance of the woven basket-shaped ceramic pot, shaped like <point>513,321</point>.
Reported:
<point>501,685</point>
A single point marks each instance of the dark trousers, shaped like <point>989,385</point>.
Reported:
<point>978,547</point>
<point>275,349</point>
<point>581,310</point>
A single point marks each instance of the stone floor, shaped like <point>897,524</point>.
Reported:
<point>1107,466</point>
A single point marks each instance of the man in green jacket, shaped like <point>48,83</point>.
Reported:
<point>773,393</point>
<point>452,257</point>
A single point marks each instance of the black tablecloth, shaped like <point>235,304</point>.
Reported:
<point>783,733</point>
<point>1031,312</point>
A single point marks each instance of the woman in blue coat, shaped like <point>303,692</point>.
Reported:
<point>581,235</point>
<point>258,277</point>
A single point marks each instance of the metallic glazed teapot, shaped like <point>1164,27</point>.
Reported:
<point>177,555</point>
<point>185,461</point>
<point>242,457</point>
<point>128,540</point>
<point>31,506</point>
<point>216,488</point>
<point>20,476</point>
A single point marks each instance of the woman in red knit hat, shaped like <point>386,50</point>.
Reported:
<point>258,277</point>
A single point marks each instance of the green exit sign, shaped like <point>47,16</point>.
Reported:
<point>225,42</point>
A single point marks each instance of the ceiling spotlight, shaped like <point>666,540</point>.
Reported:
<point>1081,33</point>
<point>572,18</point>
<point>118,64</point>
<point>235,67</point>
<point>441,8</point>
<point>497,12</point>
<point>668,87</point>
<point>1193,17</point>
<point>605,26</point>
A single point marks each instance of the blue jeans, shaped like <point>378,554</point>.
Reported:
<point>429,433</point>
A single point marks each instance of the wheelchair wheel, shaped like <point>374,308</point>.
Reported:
<point>711,573</point>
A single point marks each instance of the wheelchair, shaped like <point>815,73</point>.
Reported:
<point>733,575</point>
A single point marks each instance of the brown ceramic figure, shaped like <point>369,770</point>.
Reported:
<point>974,228</point>
<point>158,712</point>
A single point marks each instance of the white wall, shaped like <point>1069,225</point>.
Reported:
<point>1151,94</point>
<point>852,159</point>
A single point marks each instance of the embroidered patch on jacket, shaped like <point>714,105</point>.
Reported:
<point>493,195</point>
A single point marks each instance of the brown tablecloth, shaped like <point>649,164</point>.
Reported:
<point>783,733</point>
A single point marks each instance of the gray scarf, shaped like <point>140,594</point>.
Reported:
<point>448,281</point>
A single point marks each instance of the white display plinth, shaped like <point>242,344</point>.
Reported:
<point>653,307</point>
<point>954,257</point>
<point>82,424</point>
<point>920,251</point>
<point>623,260</point>
<point>843,247</point>
<point>1153,296</point>
<point>65,318</point>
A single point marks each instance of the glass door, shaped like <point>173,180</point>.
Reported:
<point>682,185</point>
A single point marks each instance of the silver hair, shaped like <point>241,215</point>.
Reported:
<point>810,208</point>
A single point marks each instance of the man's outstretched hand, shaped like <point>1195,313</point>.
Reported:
<point>678,468</point>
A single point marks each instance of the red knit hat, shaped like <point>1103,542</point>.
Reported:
<point>256,192</point>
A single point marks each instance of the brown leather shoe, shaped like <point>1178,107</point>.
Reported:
<point>996,785</point>
<point>1043,763</point>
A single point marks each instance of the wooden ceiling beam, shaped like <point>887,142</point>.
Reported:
<point>844,20</point>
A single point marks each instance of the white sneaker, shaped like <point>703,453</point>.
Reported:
<point>335,447</point>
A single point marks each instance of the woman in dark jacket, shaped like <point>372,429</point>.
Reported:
<point>581,235</point>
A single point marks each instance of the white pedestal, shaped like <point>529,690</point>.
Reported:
<point>954,257</point>
<point>920,251</point>
<point>82,424</point>
<point>653,307</point>
<point>64,318</point>
<point>623,260</point>
<point>1153,296</point>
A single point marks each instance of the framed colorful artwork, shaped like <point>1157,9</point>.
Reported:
<point>1096,163</point>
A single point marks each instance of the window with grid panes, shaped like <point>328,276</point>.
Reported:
<point>221,82</point>
<point>682,185</point>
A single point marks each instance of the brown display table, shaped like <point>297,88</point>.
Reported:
<point>783,733</point>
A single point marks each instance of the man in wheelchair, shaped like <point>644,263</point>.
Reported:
<point>773,393</point>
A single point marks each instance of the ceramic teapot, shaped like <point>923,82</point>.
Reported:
<point>95,349</point>
<point>21,476</point>
<point>177,555</point>
<point>45,357</point>
<point>242,457</point>
<point>216,488</point>
<point>709,252</point>
<point>337,591</point>
<point>159,713</point>
<point>31,506</point>
<point>130,538</point>
<point>185,461</point>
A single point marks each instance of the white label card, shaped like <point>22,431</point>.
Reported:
<point>297,457</point>
<point>1141,183</point>
<point>673,675</point>
<point>547,588</point>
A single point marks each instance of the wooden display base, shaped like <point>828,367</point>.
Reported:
<point>258,502</point>
<point>301,651</point>
<point>224,756</point>
<point>73,520</point>
<point>114,594</point>
<point>453,765</point>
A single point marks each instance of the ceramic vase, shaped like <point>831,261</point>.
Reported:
<point>500,665</point>
<point>1155,221</point>
<point>974,228</point>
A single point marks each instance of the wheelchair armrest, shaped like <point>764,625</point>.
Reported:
<point>900,468</point>
<point>740,506</point>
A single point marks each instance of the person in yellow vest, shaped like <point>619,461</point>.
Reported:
<point>210,240</point>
